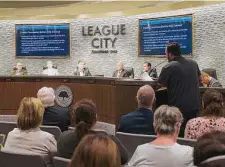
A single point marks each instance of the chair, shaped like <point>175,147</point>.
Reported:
<point>60,162</point>
<point>54,66</point>
<point>9,159</point>
<point>102,126</point>
<point>130,72</point>
<point>211,72</point>
<point>187,142</point>
<point>6,127</point>
<point>8,118</point>
<point>54,130</point>
<point>108,128</point>
<point>131,141</point>
<point>71,128</point>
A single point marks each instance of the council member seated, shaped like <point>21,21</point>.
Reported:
<point>120,71</point>
<point>81,70</point>
<point>164,151</point>
<point>19,70</point>
<point>141,120</point>
<point>50,70</point>
<point>147,68</point>
<point>209,81</point>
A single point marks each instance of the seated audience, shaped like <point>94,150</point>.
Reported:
<point>84,117</point>
<point>212,116</point>
<point>209,150</point>
<point>81,70</point>
<point>96,151</point>
<point>53,115</point>
<point>18,70</point>
<point>50,70</point>
<point>147,68</point>
<point>209,81</point>
<point>28,138</point>
<point>141,120</point>
<point>120,71</point>
<point>164,150</point>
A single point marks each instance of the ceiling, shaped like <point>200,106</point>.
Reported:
<point>42,10</point>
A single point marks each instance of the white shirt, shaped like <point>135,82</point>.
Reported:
<point>34,141</point>
<point>81,73</point>
<point>50,72</point>
<point>148,155</point>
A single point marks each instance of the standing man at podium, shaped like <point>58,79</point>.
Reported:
<point>181,77</point>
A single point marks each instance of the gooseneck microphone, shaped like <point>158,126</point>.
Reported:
<point>160,63</point>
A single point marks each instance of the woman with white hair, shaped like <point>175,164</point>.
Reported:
<point>164,150</point>
<point>53,115</point>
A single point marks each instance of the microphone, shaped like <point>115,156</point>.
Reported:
<point>160,63</point>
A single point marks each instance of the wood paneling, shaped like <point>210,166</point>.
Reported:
<point>113,97</point>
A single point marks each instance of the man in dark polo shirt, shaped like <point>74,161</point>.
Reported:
<point>181,77</point>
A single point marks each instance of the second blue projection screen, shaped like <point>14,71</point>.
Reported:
<point>155,34</point>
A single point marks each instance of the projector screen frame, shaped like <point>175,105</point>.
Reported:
<point>44,57</point>
<point>168,16</point>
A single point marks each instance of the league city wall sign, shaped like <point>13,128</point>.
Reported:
<point>104,37</point>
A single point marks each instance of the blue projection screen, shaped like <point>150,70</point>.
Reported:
<point>43,41</point>
<point>155,34</point>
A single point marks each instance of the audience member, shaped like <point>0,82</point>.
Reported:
<point>164,150</point>
<point>141,120</point>
<point>53,115</point>
<point>50,70</point>
<point>28,137</point>
<point>212,116</point>
<point>209,150</point>
<point>181,77</point>
<point>120,71</point>
<point>19,70</point>
<point>96,151</point>
<point>147,68</point>
<point>81,70</point>
<point>84,117</point>
<point>209,81</point>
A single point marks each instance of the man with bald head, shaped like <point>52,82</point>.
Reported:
<point>120,71</point>
<point>141,120</point>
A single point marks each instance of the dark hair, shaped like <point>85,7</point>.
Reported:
<point>148,63</point>
<point>209,145</point>
<point>212,103</point>
<point>83,117</point>
<point>97,150</point>
<point>174,49</point>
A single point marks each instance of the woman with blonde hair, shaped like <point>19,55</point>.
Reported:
<point>96,150</point>
<point>28,137</point>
